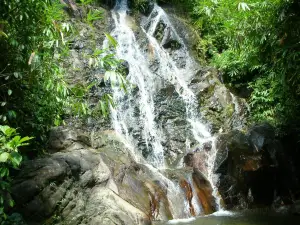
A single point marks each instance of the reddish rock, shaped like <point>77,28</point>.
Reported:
<point>189,195</point>
<point>204,192</point>
<point>197,160</point>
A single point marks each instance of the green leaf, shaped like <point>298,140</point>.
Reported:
<point>11,114</point>
<point>9,92</point>
<point>4,172</point>
<point>11,203</point>
<point>16,159</point>
<point>24,139</point>
<point>3,34</point>
<point>111,40</point>
<point>110,75</point>
<point>103,107</point>
<point>4,157</point>
<point>8,131</point>
<point>244,6</point>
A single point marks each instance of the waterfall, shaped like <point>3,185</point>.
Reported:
<point>135,114</point>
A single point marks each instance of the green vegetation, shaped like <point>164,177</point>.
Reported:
<point>255,44</point>
<point>142,6</point>
<point>35,39</point>
<point>10,157</point>
<point>35,92</point>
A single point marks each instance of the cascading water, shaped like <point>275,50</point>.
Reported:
<point>141,76</point>
<point>135,114</point>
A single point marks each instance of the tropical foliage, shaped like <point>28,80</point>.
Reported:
<point>35,93</point>
<point>35,39</point>
<point>256,45</point>
<point>10,142</point>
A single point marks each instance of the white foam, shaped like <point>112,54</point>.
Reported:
<point>223,213</point>
<point>181,220</point>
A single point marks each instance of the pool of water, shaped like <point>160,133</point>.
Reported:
<point>239,218</point>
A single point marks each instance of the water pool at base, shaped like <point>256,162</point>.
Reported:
<point>246,218</point>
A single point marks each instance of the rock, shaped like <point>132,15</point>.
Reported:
<point>160,31</point>
<point>85,186</point>
<point>186,186</point>
<point>204,192</point>
<point>197,160</point>
<point>218,105</point>
<point>248,167</point>
<point>106,207</point>
<point>260,134</point>
<point>60,138</point>
<point>124,68</point>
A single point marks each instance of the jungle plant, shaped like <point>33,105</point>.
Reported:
<point>10,142</point>
<point>256,46</point>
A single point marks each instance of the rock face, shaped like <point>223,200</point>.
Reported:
<point>253,169</point>
<point>93,178</point>
<point>108,3</point>
<point>91,182</point>
<point>218,105</point>
<point>249,166</point>
<point>171,115</point>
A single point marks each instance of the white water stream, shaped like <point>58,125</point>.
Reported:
<point>148,83</point>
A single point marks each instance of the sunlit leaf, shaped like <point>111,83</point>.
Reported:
<point>4,157</point>
<point>111,40</point>
<point>243,6</point>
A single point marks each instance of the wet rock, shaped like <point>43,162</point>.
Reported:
<point>160,30</point>
<point>183,28</point>
<point>197,160</point>
<point>124,68</point>
<point>159,203</point>
<point>260,134</point>
<point>249,168</point>
<point>189,195</point>
<point>204,192</point>
<point>296,208</point>
<point>218,105</point>
<point>170,114</point>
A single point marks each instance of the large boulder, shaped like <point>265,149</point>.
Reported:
<point>96,183</point>
<point>248,167</point>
